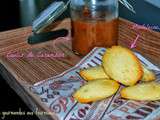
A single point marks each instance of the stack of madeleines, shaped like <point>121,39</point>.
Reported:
<point>119,66</point>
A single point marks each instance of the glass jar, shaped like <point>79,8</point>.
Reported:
<point>94,24</point>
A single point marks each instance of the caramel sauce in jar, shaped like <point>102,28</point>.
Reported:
<point>87,35</point>
<point>94,24</point>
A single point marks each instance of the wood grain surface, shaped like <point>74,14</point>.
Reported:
<point>35,69</point>
<point>148,43</point>
<point>24,71</point>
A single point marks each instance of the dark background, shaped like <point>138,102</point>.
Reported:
<point>146,13</point>
<point>10,101</point>
<point>15,14</point>
<point>9,14</point>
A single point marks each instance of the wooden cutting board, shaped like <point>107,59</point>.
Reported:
<point>22,72</point>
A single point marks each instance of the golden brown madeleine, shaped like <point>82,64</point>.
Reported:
<point>148,75</point>
<point>93,73</point>
<point>122,65</point>
<point>96,90</point>
<point>143,91</point>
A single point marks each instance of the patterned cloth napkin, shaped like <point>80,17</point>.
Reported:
<point>56,94</point>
